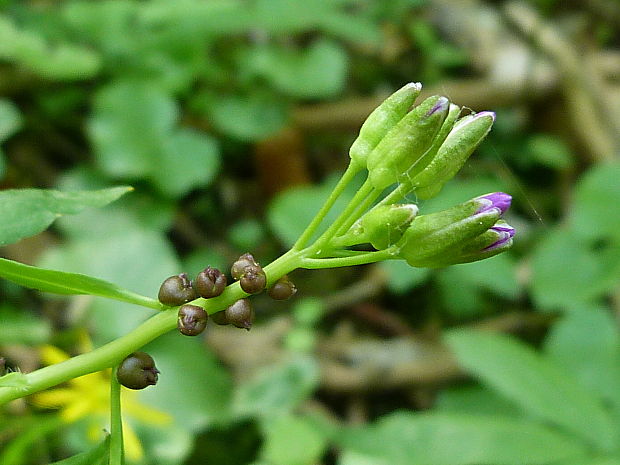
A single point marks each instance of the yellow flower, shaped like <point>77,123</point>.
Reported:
<point>89,396</point>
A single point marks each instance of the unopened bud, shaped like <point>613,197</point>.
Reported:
<point>382,226</point>
<point>407,142</point>
<point>253,280</point>
<point>462,140</point>
<point>240,264</point>
<point>381,120</point>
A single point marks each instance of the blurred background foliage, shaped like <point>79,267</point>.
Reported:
<point>232,120</point>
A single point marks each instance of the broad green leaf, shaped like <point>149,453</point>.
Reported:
<point>292,440</point>
<point>193,388</point>
<point>463,287</point>
<point>253,117</point>
<point>20,327</point>
<point>26,212</point>
<point>405,438</point>
<point>137,257</point>
<point>568,272</point>
<point>98,455</point>
<point>476,400</point>
<point>130,127</point>
<point>60,282</point>
<point>10,119</point>
<point>401,277</point>
<point>190,159</point>
<point>597,195</point>
<point>549,150</point>
<point>538,386</point>
<point>277,390</point>
<point>316,72</point>
<point>586,342</point>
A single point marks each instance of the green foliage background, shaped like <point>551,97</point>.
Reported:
<point>232,119</point>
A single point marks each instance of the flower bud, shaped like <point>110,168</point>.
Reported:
<point>176,290</point>
<point>454,151</point>
<point>435,239</point>
<point>381,120</point>
<point>407,142</point>
<point>240,314</point>
<point>192,320</point>
<point>382,226</point>
<point>253,280</point>
<point>210,282</point>
<point>240,264</point>
<point>137,371</point>
<point>283,289</point>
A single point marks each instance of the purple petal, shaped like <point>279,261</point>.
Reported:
<point>505,233</point>
<point>498,200</point>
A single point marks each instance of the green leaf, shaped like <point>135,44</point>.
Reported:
<point>20,327</point>
<point>248,118</point>
<point>189,159</point>
<point>550,151</point>
<point>98,455</point>
<point>597,194</point>
<point>463,287</point>
<point>317,72</point>
<point>10,119</point>
<point>277,390</point>
<point>60,282</point>
<point>401,277</point>
<point>130,127</point>
<point>194,388</point>
<point>405,438</point>
<point>26,212</point>
<point>59,61</point>
<point>586,342</point>
<point>568,272</point>
<point>292,440</point>
<point>538,386</point>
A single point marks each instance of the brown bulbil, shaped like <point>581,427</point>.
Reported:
<point>137,371</point>
<point>282,289</point>
<point>210,282</point>
<point>192,320</point>
<point>176,290</point>
<point>240,314</point>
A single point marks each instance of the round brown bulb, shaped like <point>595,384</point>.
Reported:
<point>137,371</point>
<point>210,282</point>
<point>176,290</point>
<point>283,289</point>
<point>220,318</point>
<point>240,314</point>
<point>253,280</point>
<point>192,320</point>
<point>238,268</point>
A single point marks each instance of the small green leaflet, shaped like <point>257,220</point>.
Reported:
<point>97,456</point>
<point>26,212</point>
<point>60,282</point>
<point>14,379</point>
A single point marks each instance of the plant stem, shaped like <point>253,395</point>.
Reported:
<point>346,178</point>
<point>357,259</point>
<point>116,422</point>
<point>114,352</point>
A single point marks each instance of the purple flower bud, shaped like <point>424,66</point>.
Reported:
<point>506,233</point>
<point>498,200</point>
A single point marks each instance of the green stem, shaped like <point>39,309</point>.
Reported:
<point>359,211</point>
<point>114,352</point>
<point>116,422</point>
<point>346,178</point>
<point>359,197</point>
<point>357,259</point>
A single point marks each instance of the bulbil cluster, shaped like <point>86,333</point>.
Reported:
<point>192,319</point>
